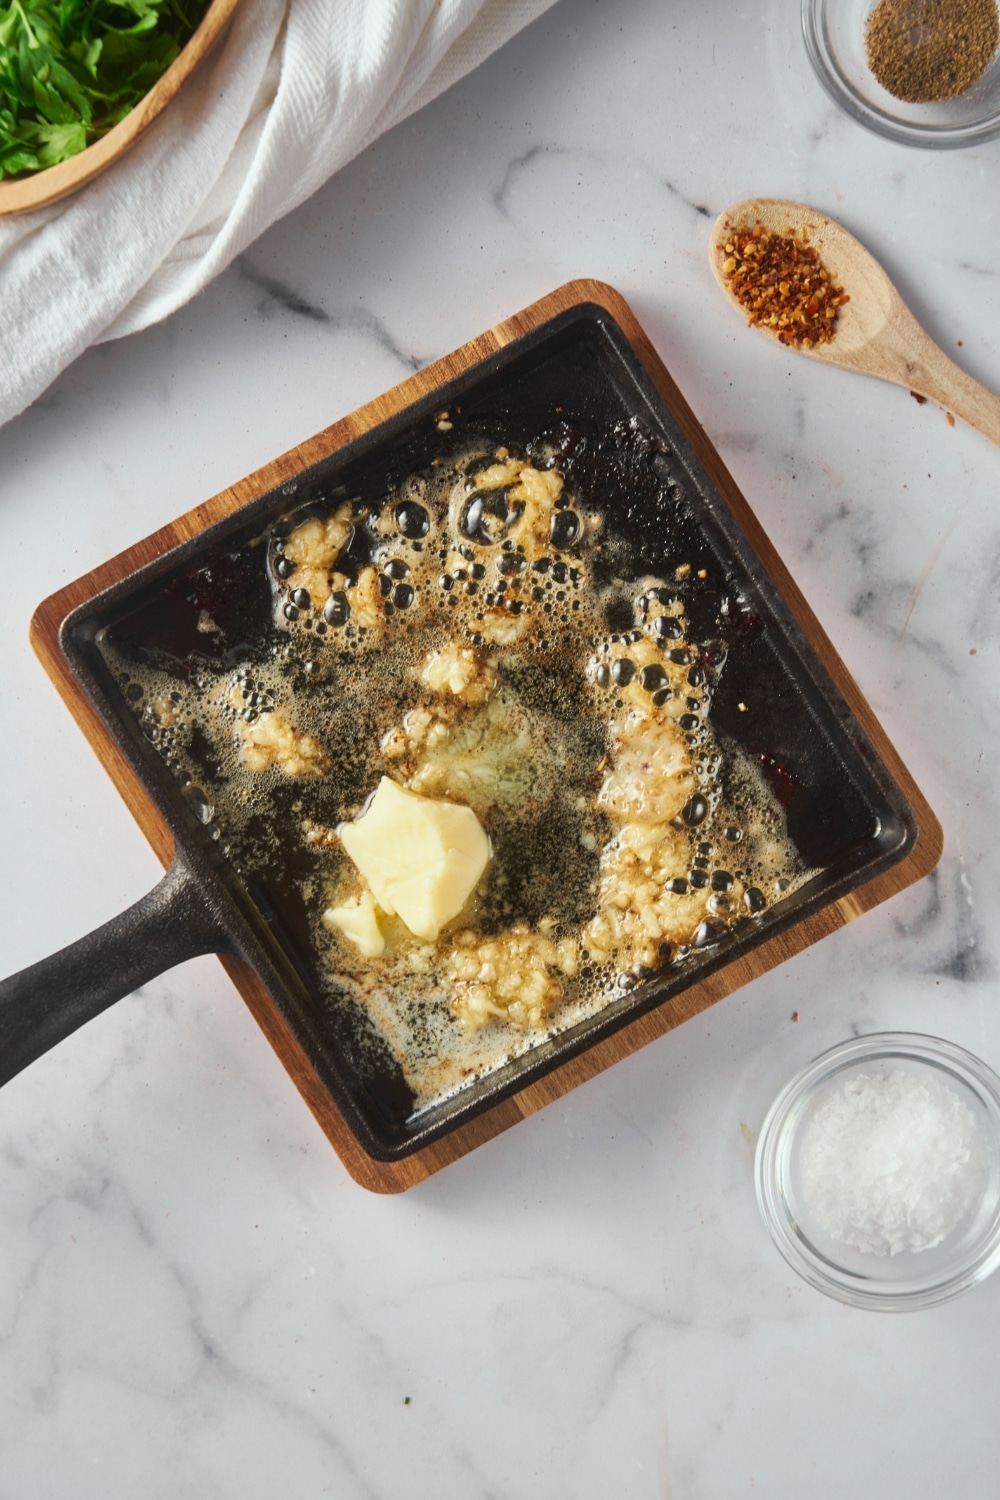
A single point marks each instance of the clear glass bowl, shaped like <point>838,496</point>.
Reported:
<point>834,33</point>
<point>912,1278</point>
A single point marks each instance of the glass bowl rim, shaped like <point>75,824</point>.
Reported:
<point>843,93</point>
<point>822,1274</point>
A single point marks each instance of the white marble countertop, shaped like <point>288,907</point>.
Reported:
<point>195,1299</point>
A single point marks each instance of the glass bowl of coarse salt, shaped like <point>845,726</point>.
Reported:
<point>878,1171</point>
<point>922,72</point>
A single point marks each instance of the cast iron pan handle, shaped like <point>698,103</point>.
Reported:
<point>48,1001</point>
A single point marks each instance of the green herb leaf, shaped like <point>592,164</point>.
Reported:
<point>58,142</point>
<point>71,69</point>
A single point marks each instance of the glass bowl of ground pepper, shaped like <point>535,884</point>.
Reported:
<point>878,1171</point>
<point>922,72</point>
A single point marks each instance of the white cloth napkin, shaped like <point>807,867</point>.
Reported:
<point>295,89</point>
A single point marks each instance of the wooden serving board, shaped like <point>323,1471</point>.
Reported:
<point>396,1176</point>
<point>19,194</point>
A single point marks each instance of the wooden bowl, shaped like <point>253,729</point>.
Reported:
<point>38,188</point>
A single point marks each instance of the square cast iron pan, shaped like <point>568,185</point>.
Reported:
<point>577,358</point>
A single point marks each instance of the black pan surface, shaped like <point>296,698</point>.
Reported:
<point>578,381</point>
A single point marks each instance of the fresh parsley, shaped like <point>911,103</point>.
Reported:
<point>71,69</point>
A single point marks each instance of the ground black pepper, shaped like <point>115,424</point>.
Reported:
<point>925,50</point>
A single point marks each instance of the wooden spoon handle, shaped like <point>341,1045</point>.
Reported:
<point>958,393</point>
<point>920,365</point>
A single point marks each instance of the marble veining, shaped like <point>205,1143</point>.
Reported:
<point>195,1300</point>
<point>286,299</point>
<point>277,295</point>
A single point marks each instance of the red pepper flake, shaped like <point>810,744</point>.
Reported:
<point>920,400</point>
<point>782,283</point>
<point>949,419</point>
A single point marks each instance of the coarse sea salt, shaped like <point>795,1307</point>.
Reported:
<point>891,1162</point>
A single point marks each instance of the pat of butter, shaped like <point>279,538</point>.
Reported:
<point>358,921</point>
<point>422,858</point>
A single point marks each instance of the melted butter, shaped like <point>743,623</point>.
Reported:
<point>456,638</point>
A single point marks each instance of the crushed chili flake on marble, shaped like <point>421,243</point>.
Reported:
<point>782,283</point>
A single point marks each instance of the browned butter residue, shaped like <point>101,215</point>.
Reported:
<point>465,651</point>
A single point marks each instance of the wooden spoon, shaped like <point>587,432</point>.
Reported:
<point>875,333</point>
